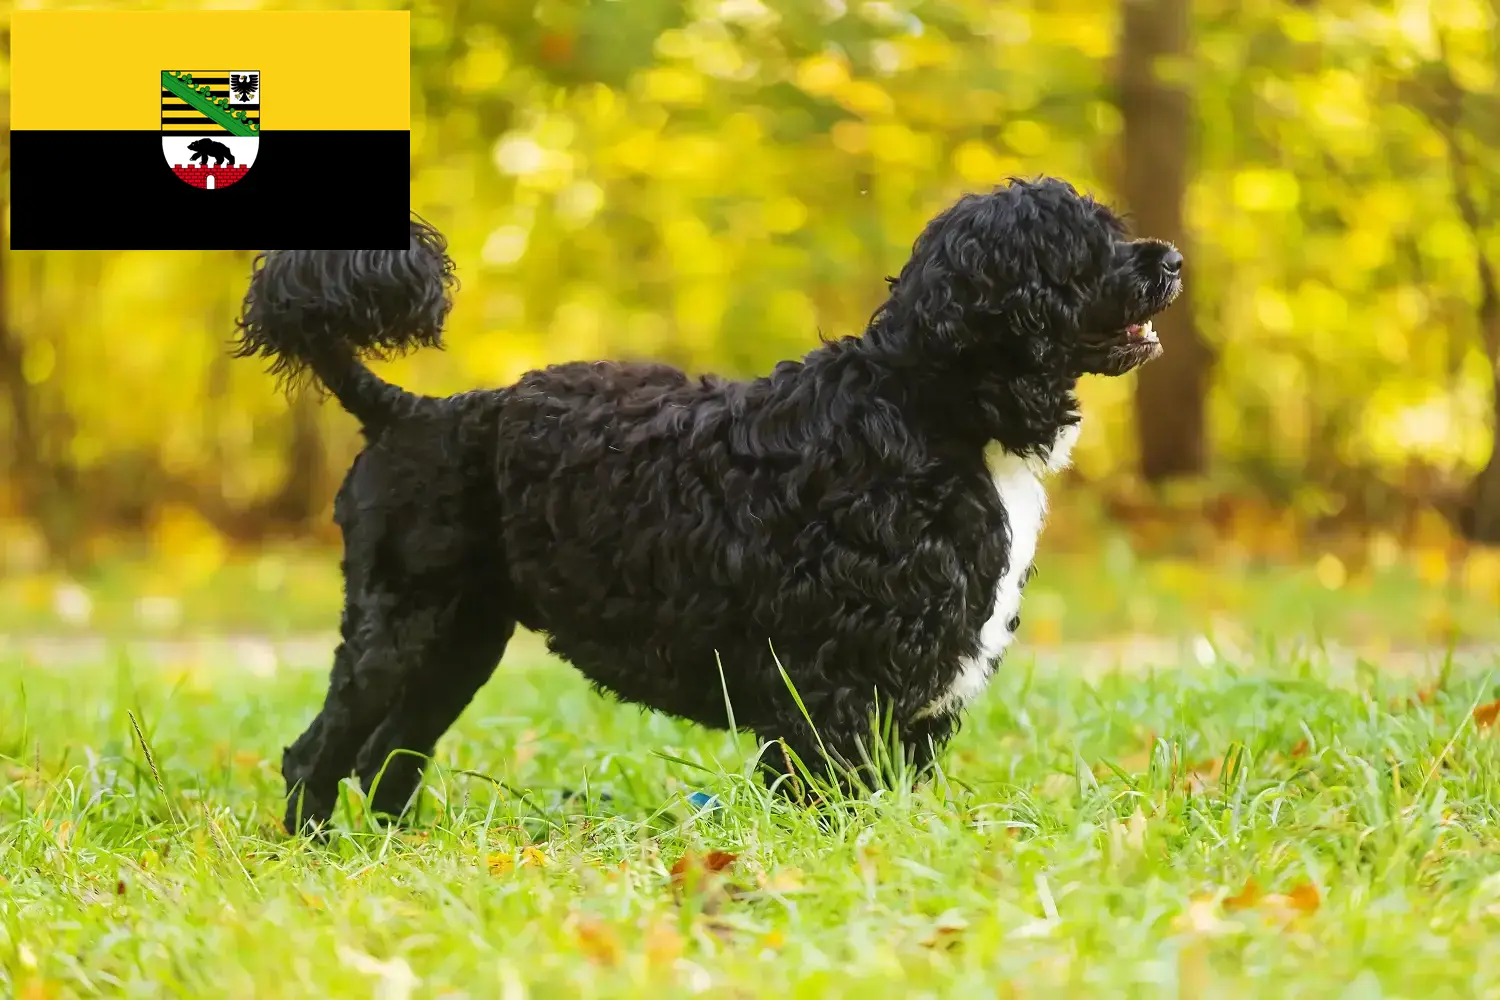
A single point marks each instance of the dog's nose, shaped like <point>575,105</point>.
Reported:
<point>1171,262</point>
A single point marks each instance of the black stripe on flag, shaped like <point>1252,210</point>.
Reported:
<point>114,190</point>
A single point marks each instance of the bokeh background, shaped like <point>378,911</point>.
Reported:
<point>717,182</point>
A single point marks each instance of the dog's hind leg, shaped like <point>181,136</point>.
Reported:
<point>389,646</point>
<point>455,665</point>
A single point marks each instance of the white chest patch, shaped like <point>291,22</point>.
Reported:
<point>1018,481</point>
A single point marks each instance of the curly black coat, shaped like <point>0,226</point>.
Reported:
<point>864,516</point>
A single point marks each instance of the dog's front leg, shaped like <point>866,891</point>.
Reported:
<point>835,743</point>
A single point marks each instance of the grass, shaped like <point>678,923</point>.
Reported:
<point>291,591</point>
<point>1280,827</point>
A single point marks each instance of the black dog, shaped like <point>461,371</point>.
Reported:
<point>204,148</point>
<point>682,539</point>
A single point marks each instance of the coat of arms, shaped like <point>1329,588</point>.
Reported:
<point>210,124</point>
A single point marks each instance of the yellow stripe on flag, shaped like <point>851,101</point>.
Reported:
<point>319,70</point>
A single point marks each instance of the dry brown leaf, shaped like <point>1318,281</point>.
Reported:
<point>1245,898</point>
<point>663,944</point>
<point>1485,715</point>
<point>947,931</point>
<point>703,878</point>
<point>1302,901</point>
<point>712,862</point>
<point>1305,898</point>
<point>1301,749</point>
<point>597,940</point>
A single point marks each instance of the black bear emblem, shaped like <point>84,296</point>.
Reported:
<point>204,148</point>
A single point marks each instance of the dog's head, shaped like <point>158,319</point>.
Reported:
<point>1040,276</point>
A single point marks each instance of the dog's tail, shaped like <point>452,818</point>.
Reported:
<point>324,310</point>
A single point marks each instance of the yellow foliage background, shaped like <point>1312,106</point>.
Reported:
<point>717,182</point>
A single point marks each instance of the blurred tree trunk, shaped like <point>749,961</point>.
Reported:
<point>1171,392</point>
<point>1479,516</point>
<point>1481,521</point>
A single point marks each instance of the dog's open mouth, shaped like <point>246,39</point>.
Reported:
<point>1116,353</point>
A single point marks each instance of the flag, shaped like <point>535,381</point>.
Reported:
<point>198,130</point>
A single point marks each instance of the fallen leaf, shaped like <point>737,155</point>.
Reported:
<point>1305,897</point>
<point>713,861</point>
<point>1245,898</point>
<point>1301,749</point>
<point>947,931</point>
<point>702,878</point>
<point>1485,715</point>
<point>1302,901</point>
<point>663,944</point>
<point>597,940</point>
<point>717,861</point>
